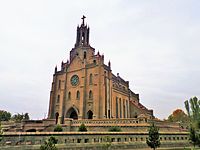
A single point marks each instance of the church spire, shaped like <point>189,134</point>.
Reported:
<point>82,37</point>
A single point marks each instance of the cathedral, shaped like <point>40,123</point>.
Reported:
<point>85,91</point>
<point>86,88</point>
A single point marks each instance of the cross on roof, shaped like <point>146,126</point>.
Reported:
<point>83,19</point>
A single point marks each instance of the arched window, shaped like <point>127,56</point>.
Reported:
<point>58,99</point>
<point>77,95</point>
<point>90,79</point>
<point>69,95</point>
<point>90,95</point>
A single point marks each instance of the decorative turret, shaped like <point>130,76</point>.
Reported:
<point>55,69</point>
<point>63,66</point>
<point>82,37</point>
<point>109,64</point>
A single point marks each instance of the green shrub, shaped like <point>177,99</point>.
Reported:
<point>115,129</point>
<point>153,139</point>
<point>49,144</point>
<point>4,115</point>
<point>58,128</point>
<point>1,132</point>
<point>82,128</point>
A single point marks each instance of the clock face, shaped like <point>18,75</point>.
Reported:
<point>74,80</point>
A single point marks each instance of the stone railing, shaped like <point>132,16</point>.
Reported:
<point>165,123</point>
<point>81,139</point>
<point>107,122</point>
<point>129,124</point>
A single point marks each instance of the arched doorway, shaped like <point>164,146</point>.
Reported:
<point>57,115</point>
<point>135,116</point>
<point>72,113</point>
<point>90,114</point>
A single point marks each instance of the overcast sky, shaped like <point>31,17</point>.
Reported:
<point>155,45</point>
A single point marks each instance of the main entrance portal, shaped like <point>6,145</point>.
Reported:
<point>72,114</point>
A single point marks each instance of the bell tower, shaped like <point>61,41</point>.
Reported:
<point>82,37</point>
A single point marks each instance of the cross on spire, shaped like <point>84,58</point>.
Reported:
<point>83,19</point>
<point>82,38</point>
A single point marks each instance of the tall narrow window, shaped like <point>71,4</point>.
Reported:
<point>59,84</point>
<point>83,38</point>
<point>84,55</point>
<point>90,95</point>
<point>90,80</point>
<point>127,110</point>
<point>58,99</point>
<point>57,115</point>
<point>77,95</point>
<point>117,116</point>
<point>69,95</point>
<point>109,114</point>
<point>124,109</point>
<point>120,108</point>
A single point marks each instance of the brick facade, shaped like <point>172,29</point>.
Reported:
<point>86,88</point>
